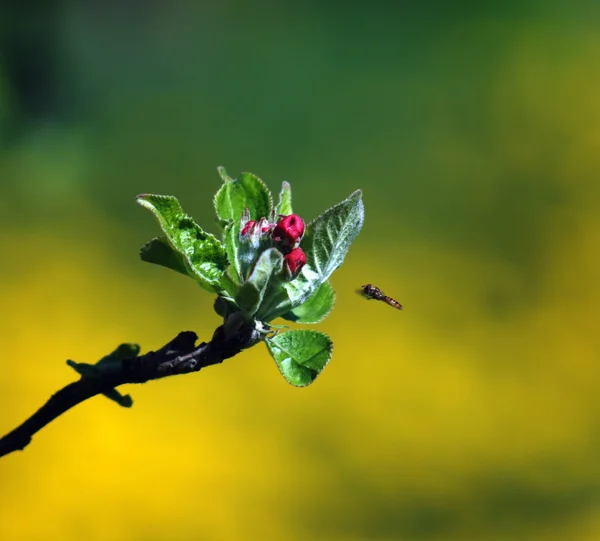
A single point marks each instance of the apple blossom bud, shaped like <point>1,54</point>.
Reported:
<point>246,229</point>
<point>289,231</point>
<point>294,261</point>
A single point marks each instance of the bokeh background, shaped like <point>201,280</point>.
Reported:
<point>473,129</point>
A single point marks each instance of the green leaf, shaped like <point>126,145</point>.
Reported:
<point>300,355</point>
<point>232,246</point>
<point>223,307</point>
<point>230,283</point>
<point>298,291</point>
<point>330,235</point>
<point>316,308</point>
<point>252,292</point>
<point>160,252</point>
<point>243,252</point>
<point>285,200</point>
<point>326,243</point>
<point>234,196</point>
<point>223,174</point>
<point>204,256</point>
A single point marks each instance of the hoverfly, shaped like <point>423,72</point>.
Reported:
<point>372,292</point>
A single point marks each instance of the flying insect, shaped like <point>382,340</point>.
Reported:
<point>373,292</point>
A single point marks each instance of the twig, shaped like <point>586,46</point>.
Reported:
<point>179,356</point>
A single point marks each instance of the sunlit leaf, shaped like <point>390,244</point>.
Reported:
<point>204,256</point>
<point>300,355</point>
<point>252,292</point>
<point>235,195</point>
<point>231,240</point>
<point>326,243</point>
<point>316,308</point>
<point>330,235</point>
<point>285,200</point>
<point>223,174</point>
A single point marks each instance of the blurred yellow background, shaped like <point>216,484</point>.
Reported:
<point>474,133</point>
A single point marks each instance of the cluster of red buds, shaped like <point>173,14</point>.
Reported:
<point>286,235</point>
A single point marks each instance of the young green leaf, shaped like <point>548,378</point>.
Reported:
<point>234,196</point>
<point>293,294</point>
<point>285,200</point>
<point>230,284</point>
<point>160,252</point>
<point>329,236</point>
<point>326,242</point>
<point>231,240</point>
<point>223,307</point>
<point>223,174</point>
<point>282,300</point>
<point>252,292</point>
<point>316,308</point>
<point>300,355</point>
<point>204,256</point>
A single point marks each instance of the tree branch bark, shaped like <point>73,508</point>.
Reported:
<point>179,356</point>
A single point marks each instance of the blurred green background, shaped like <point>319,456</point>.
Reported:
<point>473,129</point>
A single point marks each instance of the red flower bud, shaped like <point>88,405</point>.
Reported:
<point>246,229</point>
<point>294,261</point>
<point>264,226</point>
<point>289,231</point>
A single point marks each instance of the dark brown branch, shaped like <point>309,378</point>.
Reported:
<point>179,356</point>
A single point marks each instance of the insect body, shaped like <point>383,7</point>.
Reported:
<point>373,292</point>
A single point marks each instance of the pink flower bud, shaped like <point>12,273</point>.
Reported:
<point>263,225</point>
<point>246,229</point>
<point>289,231</point>
<point>294,261</point>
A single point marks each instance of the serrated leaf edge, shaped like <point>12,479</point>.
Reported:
<point>267,342</point>
<point>325,316</point>
<point>211,285</point>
